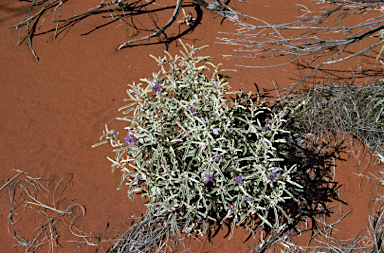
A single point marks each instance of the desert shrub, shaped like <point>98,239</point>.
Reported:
<point>196,154</point>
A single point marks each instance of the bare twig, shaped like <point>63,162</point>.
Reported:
<point>152,233</point>
<point>12,179</point>
<point>173,18</point>
<point>116,11</point>
<point>26,191</point>
<point>327,31</point>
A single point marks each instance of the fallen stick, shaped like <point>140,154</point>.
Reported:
<point>14,177</point>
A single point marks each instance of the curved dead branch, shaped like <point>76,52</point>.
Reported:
<point>116,9</point>
<point>173,18</point>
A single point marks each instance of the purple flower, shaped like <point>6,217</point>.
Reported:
<point>157,87</point>
<point>179,136</point>
<point>206,118</point>
<point>217,157</point>
<point>164,116</point>
<point>216,131</point>
<point>231,206</point>
<point>273,176</point>
<point>129,139</point>
<point>247,198</point>
<point>176,210</point>
<point>209,178</point>
<point>227,129</point>
<point>238,179</point>
<point>192,111</point>
<point>112,132</point>
<point>265,127</point>
<point>203,147</point>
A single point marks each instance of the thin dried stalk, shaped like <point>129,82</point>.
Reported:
<point>51,218</point>
<point>117,10</point>
<point>330,112</point>
<point>151,234</point>
<point>318,37</point>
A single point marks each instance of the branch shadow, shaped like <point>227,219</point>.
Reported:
<point>127,14</point>
<point>168,40</point>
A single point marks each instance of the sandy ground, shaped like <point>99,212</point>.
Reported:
<point>55,109</point>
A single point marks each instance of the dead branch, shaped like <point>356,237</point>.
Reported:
<point>173,18</point>
<point>115,8</point>
<point>326,32</point>
<point>11,180</point>
<point>50,218</point>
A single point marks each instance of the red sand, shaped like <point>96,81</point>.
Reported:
<point>54,110</point>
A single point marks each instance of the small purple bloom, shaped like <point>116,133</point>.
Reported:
<point>112,132</point>
<point>206,118</point>
<point>216,131</point>
<point>227,129</point>
<point>179,136</point>
<point>265,127</point>
<point>209,178</point>
<point>273,176</point>
<point>192,111</point>
<point>217,157</point>
<point>203,147</point>
<point>231,206</point>
<point>176,210</point>
<point>164,116</point>
<point>129,139</point>
<point>239,179</point>
<point>157,87</point>
<point>247,198</point>
<point>140,181</point>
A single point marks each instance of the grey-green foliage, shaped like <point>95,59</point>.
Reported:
<point>195,156</point>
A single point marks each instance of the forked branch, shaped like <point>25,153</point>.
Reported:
<point>115,8</point>
<point>318,37</point>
